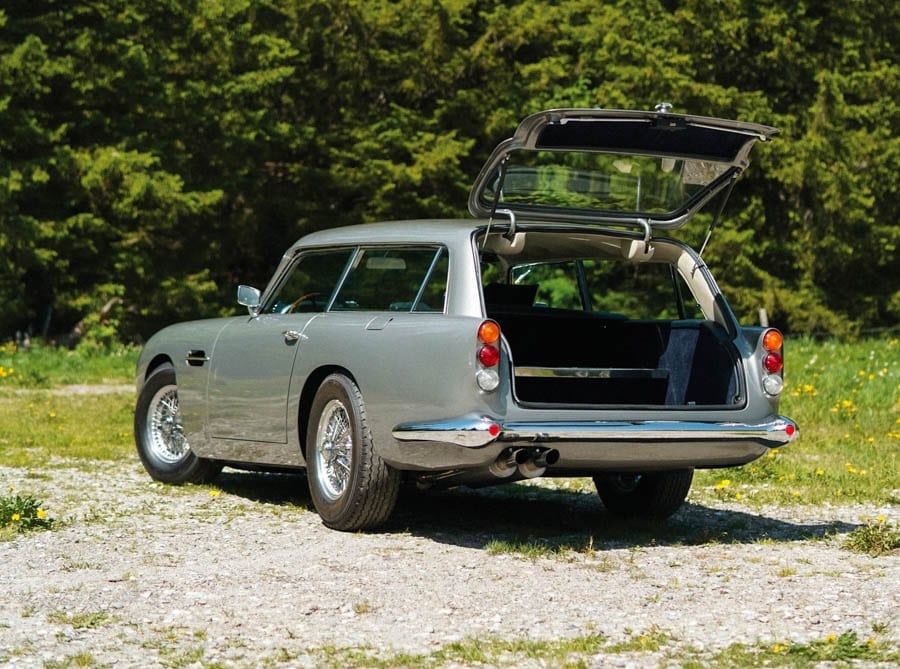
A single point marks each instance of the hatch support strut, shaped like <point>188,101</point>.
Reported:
<point>501,177</point>
<point>712,225</point>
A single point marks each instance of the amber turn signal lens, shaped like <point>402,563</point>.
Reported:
<point>772,340</point>
<point>489,332</point>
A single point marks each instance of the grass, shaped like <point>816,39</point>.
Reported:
<point>20,514</point>
<point>41,366</point>
<point>875,538</point>
<point>80,620</point>
<point>39,427</point>
<point>846,399</point>
<point>596,650</point>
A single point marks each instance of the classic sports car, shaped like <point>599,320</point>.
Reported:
<point>561,333</point>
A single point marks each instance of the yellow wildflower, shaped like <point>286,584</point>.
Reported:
<point>41,514</point>
<point>16,517</point>
<point>215,493</point>
<point>777,648</point>
<point>881,519</point>
<point>724,483</point>
<point>831,638</point>
<point>820,472</point>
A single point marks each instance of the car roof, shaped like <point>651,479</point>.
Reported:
<point>393,232</point>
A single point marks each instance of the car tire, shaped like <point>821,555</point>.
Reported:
<point>351,487</point>
<point>651,495</point>
<point>159,433</point>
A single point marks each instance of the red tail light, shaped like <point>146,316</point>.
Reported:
<point>773,362</point>
<point>488,355</point>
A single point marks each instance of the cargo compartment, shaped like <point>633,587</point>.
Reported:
<point>569,358</point>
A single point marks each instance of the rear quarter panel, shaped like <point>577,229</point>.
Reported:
<point>417,367</point>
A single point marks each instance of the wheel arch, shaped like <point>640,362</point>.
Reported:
<point>308,394</point>
<point>155,363</point>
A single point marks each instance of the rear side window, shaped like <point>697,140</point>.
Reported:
<point>395,279</point>
<point>641,291</point>
<point>310,283</point>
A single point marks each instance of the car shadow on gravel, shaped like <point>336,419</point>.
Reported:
<point>554,520</point>
<point>557,520</point>
<point>280,488</point>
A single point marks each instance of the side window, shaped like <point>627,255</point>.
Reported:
<point>555,284</point>
<point>644,291</point>
<point>392,279</point>
<point>310,283</point>
<point>434,292</point>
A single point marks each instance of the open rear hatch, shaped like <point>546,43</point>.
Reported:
<point>638,169</point>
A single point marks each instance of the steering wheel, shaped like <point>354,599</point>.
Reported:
<point>299,300</point>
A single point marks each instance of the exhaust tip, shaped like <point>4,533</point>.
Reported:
<point>522,456</point>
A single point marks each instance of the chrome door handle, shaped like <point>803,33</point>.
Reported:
<point>291,335</point>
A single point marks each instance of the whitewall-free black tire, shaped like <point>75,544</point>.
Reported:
<point>351,487</point>
<point>159,434</point>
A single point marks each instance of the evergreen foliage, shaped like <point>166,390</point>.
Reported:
<point>155,154</point>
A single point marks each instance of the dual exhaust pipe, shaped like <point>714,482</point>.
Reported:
<point>513,464</point>
<point>528,462</point>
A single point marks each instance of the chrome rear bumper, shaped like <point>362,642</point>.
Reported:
<point>614,443</point>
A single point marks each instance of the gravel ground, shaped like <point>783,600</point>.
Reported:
<point>137,574</point>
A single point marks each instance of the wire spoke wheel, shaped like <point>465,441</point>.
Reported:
<point>334,450</point>
<point>165,431</point>
<point>160,437</point>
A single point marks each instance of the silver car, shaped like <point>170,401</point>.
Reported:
<point>558,333</point>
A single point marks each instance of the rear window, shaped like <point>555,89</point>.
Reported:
<point>601,182</point>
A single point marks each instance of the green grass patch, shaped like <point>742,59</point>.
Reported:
<point>20,514</point>
<point>481,651</point>
<point>846,399</point>
<point>875,538</point>
<point>543,547</point>
<point>595,650</point>
<point>37,427</point>
<point>41,366</point>
<point>843,649</point>
<point>80,621</point>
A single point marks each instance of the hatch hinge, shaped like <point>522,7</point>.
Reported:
<point>648,230</point>
<point>712,225</point>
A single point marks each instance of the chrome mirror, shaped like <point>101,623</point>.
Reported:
<point>248,296</point>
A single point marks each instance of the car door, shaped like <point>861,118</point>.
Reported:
<point>253,359</point>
